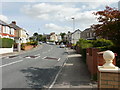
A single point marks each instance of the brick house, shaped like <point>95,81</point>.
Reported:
<point>6,30</point>
<point>21,34</point>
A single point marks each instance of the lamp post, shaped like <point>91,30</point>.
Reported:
<point>73,23</point>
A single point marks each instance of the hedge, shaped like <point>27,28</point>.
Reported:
<point>83,44</point>
<point>6,43</point>
<point>102,44</point>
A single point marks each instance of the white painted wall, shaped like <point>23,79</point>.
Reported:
<point>75,37</point>
<point>6,50</point>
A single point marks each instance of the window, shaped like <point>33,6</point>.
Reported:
<point>4,29</point>
<point>7,30</point>
<point>12,31</point>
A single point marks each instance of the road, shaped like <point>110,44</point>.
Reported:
<point>34,69</point>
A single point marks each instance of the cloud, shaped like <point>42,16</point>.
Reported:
<point>3,18</point>
<point>63,12</point>
<point>55,28</point>
<point>48,11</point>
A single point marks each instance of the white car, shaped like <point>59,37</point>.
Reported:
<point>51,43</point>
<point>47,42</point>
<point>62,45</point>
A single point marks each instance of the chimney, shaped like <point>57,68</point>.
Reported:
<point>14,22</point>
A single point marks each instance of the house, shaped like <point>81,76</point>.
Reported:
<point>75,36</point>
<point>68,37</point>
<point>21,34</point>
<point>6,31</point>
<point>59,37</point>
<point>53,37</point>
<point>88,34</point>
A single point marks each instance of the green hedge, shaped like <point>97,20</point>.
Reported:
<point>102,44</point>
<point>83,44</point>
<point>6,43</point>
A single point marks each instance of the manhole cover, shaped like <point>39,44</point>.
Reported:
<point>52,58</point>
<point>30,56</point>
<point>13,56</point>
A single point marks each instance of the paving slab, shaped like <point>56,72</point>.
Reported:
<point>74,73</point>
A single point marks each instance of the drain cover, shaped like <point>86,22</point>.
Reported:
<point>52,58</point>
<point>30,56</point>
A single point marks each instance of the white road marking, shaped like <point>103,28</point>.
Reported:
<point>49,88</point>
<point>11,63</point>
<point>37,57</point>
<point>58,59</point>
<point>28,57</point>
<point>44,57</point>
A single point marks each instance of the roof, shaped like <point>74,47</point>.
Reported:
<point>76,31</point>
<point>15,26</point>
<point>3,23</point>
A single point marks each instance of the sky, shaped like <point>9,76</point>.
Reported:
<point>52,16</point>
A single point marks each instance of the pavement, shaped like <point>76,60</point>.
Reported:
<point>74,74</point>
<point>15,52</point>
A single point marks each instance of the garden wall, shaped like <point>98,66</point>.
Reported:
<point>94,58</point>
<point>6,50</point>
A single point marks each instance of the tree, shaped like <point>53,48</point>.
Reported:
<point>35,34</point>
<point>62,35</point>
<point>109,26</point>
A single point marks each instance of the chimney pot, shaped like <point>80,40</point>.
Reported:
<point>14,22</point>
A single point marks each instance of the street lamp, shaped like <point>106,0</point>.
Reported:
<point>73,23</point>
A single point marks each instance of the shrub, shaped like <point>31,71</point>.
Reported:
<point>23,46</point>
<point>6,43</point>
<point>32,43</point>
<point>102,43</point>
<point>83,44</point>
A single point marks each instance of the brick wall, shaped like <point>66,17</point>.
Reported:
<point>94,58</point>
<point>109,80</point>
<point>100,59</point>
<point>91,60</point>
<point>28,47</point>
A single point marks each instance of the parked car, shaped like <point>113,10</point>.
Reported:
<point>47,42</point>
<point>52,43</point>
<point>40,42</point>
<point>62,45</point>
